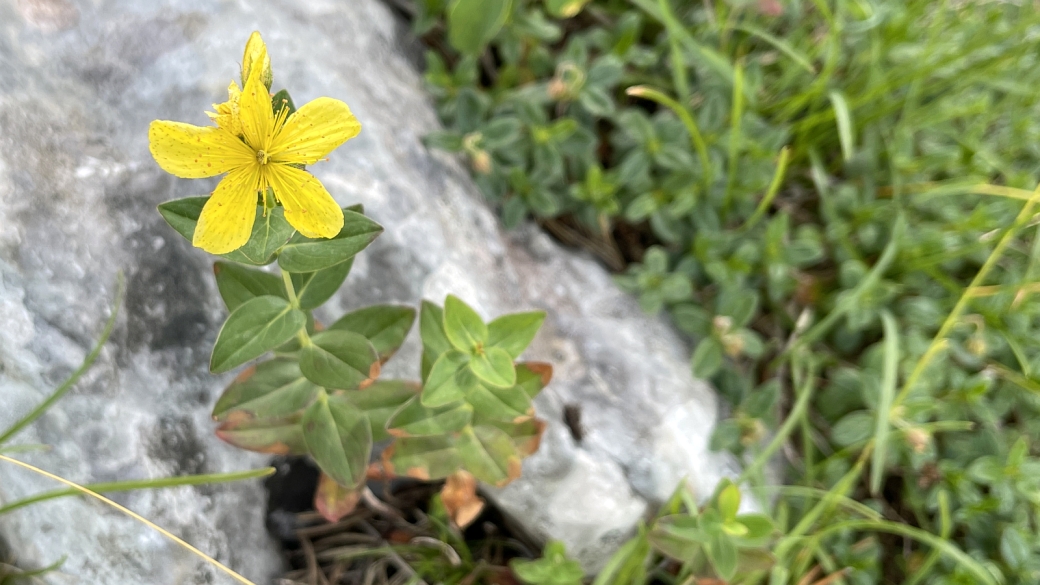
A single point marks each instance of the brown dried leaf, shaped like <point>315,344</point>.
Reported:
<point>460,498</point>
<point>334,501</point>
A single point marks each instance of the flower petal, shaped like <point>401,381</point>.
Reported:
<point>227,218</point>
<point>194,152</point>
<point>314,131</point>
<point>308,206</point>
<point>254,108</point>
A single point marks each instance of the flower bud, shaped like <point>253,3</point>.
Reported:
<point>918,439</point>
<point>481,162</point>
<point>256,53</point>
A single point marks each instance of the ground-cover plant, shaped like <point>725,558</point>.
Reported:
<point>320,394</point>
<point>834,199</point>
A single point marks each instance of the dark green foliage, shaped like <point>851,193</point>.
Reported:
<point>809,188</point>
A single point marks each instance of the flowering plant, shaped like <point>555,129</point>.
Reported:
<point>470,418</point>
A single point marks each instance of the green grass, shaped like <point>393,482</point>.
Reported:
<point>837,204</point>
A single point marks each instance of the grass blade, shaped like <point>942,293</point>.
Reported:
<point>843,117</point>
<point>890,370</point>
<point>774,188</point>
<point>654,95</point>
<point>71,381</point>
<point>131,514</point>
<point>734,137</point>
<point>938,543</point>
<point>779,44</point>
<point>142,484</point>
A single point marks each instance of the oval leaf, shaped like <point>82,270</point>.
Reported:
<point>444,384</point>
<point>272,388</point>
<point>339,439</point>
<point>279,435</point>
<point>314,288</point>
<point>495,367</point>
<point>416,420</point>
<point>489,454</point>
<point>473,23</point>
<point>306,255</point>
<point>380,401</point>
<point>339,359</point>
<point>385,326</point>
<point>463,326</point>
<point>270,230</point>
<point>426,458</point>
<point>514,333</point>
<point>254,328</point>
<point>238,284</point>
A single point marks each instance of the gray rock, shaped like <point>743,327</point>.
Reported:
<point>79,84</point>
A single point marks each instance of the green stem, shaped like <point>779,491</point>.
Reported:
<point>801,405</point>
<point>141,484</point>
<point>290,290</point>
<point>774,188</point>
<point>734,137</point>
<point>71,381</point>
<point>939,341</point>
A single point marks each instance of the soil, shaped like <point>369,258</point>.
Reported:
<point>392,537</point>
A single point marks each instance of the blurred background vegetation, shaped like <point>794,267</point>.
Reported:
<point>835,200</point>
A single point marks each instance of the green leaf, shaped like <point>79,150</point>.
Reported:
<point>532,377</point>
<point>526,433</point>
<point>446,382</point>
<point>729,502</point>
<point>282,100</point>
<point>183,214</point>
<point>431,330</point>
<point>254,328</point>
<point>678,537</point>
<point>501,132</point>
<point>758,525</point>
<point>463,326</point>
<point>553,568</point>
<point>495,403</point>
<point>314,288</point>
<point>596,100</point>
<point>740,305</point>
<point>339,439</point>
<point>307,255</point>
<point>473,23</point>
<point>238,284</point>
<point>270,230</point>
<point>385,326</point>
<point>514,333</point>
<point>269,389</point>
<point>426,458</point>
<point>416,420</point>
<point>489,454</point>
<point>707,358</point>
<point>853,428</point>
<point>494,366</point>
<point>339,359</point>
<point>724,556</point>
<point>277,435</point>
<point>380,401</point>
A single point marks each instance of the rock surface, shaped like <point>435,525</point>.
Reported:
<point>79,84</point>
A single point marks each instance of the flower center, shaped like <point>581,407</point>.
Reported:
<point>261,157</point>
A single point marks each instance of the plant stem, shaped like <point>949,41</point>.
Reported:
<point>290,290</point>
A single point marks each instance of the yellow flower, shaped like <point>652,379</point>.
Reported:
<point>257,151</point>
